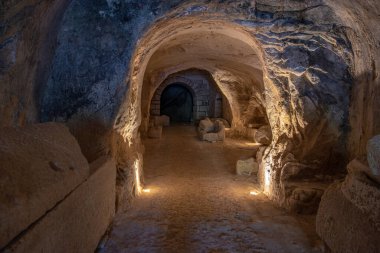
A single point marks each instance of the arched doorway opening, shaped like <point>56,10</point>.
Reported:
<point>177,103</point>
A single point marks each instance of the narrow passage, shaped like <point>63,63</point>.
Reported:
<point>197,203</point>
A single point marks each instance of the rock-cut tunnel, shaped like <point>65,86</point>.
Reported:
<point>189,126</point>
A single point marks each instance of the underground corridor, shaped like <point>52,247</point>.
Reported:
<point>189,126</point>
<point>195,202</point>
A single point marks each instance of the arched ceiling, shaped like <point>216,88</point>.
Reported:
<point>207,48</point>
<point>234,64</point>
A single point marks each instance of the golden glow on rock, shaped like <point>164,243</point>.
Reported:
<point>137,176</point>
<point>267,169</point>
<point>253,193</point>
<point>146,190</point>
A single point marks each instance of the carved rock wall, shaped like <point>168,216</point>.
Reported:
<point>50,198</point>
<point>293,63</point>
<point>310,66</point>
<point>28,32</point>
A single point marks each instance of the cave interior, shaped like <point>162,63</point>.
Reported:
<point>189,126</point>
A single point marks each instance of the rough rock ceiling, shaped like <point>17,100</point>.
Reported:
<point>216,53</point>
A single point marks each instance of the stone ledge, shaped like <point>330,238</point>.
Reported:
<point>343,226</point>
<point>78,222</point>
<point>39,165</point>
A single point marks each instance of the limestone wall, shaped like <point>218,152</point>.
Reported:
<point>312,65</point>
<point>28,39</point>
<point>362,18</point>
<point>78,222</point>
<point>348,219</point>
<point>51,200</point>
<point>347,225</point>
<point>39,166</point>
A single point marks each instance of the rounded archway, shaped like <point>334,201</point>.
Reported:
<point>255,76</point>
<point>177,102</point>
<point>208,100</point>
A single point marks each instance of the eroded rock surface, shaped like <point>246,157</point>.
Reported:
<point>348,218</point>
<point>263,135</point>
<point>247,167</point>
<point>206,125</point>
<point>373,157</point>
<point>76,223</point>
<point>292,64</point>
<point>39,165</point>
<point>211,131</point>
<point>344,225</point>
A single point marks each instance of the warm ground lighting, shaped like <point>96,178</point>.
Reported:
<point>146,190</point>
<point>196,204</point>
<point>254,193</point>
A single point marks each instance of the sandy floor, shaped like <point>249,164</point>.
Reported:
<point>196,203</point>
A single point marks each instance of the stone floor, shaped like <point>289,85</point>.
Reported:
<point>196,203</point>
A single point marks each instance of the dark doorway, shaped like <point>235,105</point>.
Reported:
<point>177,103</point>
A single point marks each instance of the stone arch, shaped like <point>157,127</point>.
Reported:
<point>224,80</point>
<point>190,85</point>
<point>200,90</point>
